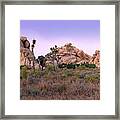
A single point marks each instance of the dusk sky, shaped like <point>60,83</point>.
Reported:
<point>84,34</point>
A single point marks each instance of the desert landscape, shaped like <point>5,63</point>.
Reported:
<point>64,73</point>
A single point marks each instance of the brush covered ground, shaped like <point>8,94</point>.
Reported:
<point>81,83</point>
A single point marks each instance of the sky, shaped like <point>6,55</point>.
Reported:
<point>83,34</point>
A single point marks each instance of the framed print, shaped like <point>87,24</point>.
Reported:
<point>60,60</point>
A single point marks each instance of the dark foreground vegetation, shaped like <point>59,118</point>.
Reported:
<point>64,83</point>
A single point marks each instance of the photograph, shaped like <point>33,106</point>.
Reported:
<point>59,59</point>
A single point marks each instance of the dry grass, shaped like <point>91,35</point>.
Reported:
<point>62,84</point>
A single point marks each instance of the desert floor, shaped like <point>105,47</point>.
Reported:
<point>80,83</point>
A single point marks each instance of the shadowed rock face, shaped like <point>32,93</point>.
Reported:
<point>26,56</point>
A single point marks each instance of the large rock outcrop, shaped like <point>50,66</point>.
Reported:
<point>71,54</point>
<point>26,56</point>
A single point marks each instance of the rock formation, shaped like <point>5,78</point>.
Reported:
<point>70,54</point>
<point>26,56</point>
<point>96,59</point>
<point>66,54</point>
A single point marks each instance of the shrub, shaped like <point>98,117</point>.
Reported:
<point>82,66</point>
<point>88,65</point>
<point>24,72</point>
<point>77,65</point>
<point>63,65</point>
<point>71,66</point>
<point>36,72</point>
<point>92,66</point>
<point>49,68</point>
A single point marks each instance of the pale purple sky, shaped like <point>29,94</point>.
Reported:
<point>84,34</point>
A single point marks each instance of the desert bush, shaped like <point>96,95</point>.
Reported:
<point>82,67</point>
<point>63,65</point>
<point>36,73</point>
<point>88,66</point>
<point>77,65</point>
<point>23,72</point>
<point>70,66</point>
<point>91,65</point>
<point>49,68</point>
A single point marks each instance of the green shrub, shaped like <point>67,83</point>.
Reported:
<point>82,66</point>
<point>23,72</point>
<point>62,65</point>
<point>92,66</point>
<point>49,68</point>
<point>88,65</point>
<point>70,66</point>
<point>77,65</point>
<point>36,72</point>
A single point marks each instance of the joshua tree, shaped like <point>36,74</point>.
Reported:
<point>54,51</point>
<point>55,57</point>
<point>33,45</point>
